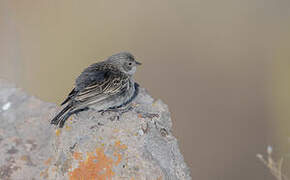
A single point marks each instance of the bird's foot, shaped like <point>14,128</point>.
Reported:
<point>148,115</point>
<point>117,112</point>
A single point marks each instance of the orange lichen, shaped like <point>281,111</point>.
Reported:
<point>120,146</point>
<point>24,158</point>
<point>77,156</point>
<point>48,161</point>
<point>119,158</point>
<point>97,165</point>
<point>44,173</point>
<point>57,132</point>
<point>67,127</point>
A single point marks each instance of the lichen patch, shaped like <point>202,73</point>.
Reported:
<point>97,165</point>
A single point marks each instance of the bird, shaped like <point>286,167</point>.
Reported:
<point>101,86</point>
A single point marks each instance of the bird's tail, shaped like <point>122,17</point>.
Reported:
<point>62,116</point>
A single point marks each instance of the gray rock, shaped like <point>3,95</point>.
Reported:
<point>137,144</point>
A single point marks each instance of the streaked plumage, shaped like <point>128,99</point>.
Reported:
<point>101,86</point>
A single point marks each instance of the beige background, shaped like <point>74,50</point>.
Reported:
<point>221,66</point>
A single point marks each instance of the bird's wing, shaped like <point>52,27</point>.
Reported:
<point>71,94</point>
<point>97,83</point>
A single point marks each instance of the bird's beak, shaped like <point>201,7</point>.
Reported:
<point>138,63</point>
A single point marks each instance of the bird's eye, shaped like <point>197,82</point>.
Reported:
<point>130,64</point>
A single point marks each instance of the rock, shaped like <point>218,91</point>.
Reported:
<point>135,145</point>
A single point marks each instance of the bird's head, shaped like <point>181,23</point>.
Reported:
<point>125,61</point>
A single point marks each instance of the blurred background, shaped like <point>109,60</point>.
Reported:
<point>223,67</point>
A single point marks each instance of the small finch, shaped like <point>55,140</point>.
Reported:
<point>102,86</point>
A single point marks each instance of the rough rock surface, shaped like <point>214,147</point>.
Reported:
<point>135,145</point>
